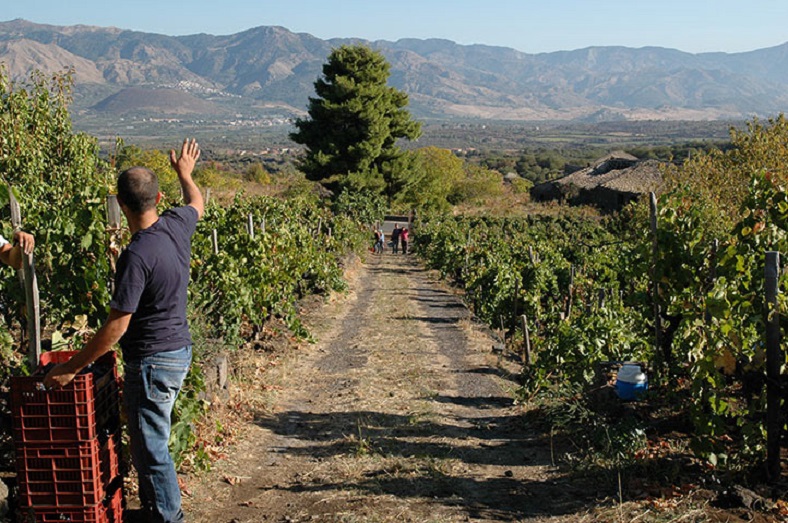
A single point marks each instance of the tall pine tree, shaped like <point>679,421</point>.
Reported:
<point>354,123</point>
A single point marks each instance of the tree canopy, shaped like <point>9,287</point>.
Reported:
<point>354,123</point>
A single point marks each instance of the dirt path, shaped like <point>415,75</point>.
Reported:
<point>400,412</point>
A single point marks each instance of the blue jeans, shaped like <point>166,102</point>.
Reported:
<point>151,386</point>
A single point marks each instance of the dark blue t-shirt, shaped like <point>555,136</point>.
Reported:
<point>151,281</point>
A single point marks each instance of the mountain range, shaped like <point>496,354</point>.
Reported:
<point>119,71</point>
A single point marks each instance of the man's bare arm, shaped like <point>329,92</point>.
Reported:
<point>184,165</point>
<point>13,255</point>
<point>101,343</point>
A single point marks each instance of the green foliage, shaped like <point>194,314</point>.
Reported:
<point>535,166</point>
<point>438,179</point>
<point>718,217</point>
<point>128,156</point>
<point>522,186</point>
<point>712,297</point>
<point>731,341</point>
<point>596,440</point>
<point>11,359</point>
<point>354,123</point>
<point>212,176</point>
<point>361,206</point>
<point>257,173</point>
<point>188,409</point>
<point>252,278</point>
<point>206,175</point>
<point>721,178</point>
<point>476,185</point>
<point>435,173</point>
<point>524,265</point>
<point>62,187</point>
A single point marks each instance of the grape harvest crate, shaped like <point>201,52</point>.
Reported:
<point>81,411</point>
<point>77,474</point>
<point>67,444</point>
<point>110,510</point>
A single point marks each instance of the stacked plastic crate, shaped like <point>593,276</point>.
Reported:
<point>67,444</point>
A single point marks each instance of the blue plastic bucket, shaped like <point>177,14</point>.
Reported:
<point>630,391</point>
<point>631,382</point>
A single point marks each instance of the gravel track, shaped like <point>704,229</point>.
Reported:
<point>400,412</point>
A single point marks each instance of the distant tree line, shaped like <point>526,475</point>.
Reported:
<point>542,164</point>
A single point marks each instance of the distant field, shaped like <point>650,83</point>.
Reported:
<point>508,136</point>
<point>266,131</point>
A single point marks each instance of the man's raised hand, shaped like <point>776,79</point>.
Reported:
<point>190,153</point>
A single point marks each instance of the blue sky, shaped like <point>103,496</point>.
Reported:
<point>530,26</point>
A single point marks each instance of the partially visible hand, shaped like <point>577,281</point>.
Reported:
<point>25,240</point>
<point>190,153</point>
<point>60,376</point>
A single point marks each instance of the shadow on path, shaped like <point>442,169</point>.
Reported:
<point>494,440</point>
<point>464,447</point>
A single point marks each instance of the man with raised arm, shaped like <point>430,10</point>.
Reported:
<point>148,317</point>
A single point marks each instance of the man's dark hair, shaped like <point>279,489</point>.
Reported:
<point>138,188</point>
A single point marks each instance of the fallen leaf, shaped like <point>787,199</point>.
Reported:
<point>184,487</point>
<point>232,480</point>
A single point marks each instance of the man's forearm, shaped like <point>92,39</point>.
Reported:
<point>191,193</point>
<point>5,253</point>
<point>99,345</point>
<point>12,256</point>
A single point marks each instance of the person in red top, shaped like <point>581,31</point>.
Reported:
<point>403,239</point>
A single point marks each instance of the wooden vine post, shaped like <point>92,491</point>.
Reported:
<point>570,293</point>
<point>526,341</point>
<point>250,225</point>
<point>654,282</point>
<point>774,361</point>
<point>113,212</point>
<point>114,225</point>
<point>215,241</point>
<point>516,311</point>
<point>715,247</point>
<point>467,250</point>
<point>30,284</point>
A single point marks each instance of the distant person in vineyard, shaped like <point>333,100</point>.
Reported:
<point>404,239</point>
<point>12,254</point>
<point>376,240</point>
<point>381,241</point>
<point>395,238</point>
<point>148,317</point>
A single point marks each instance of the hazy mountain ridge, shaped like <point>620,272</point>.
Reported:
<point>442,78</point>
